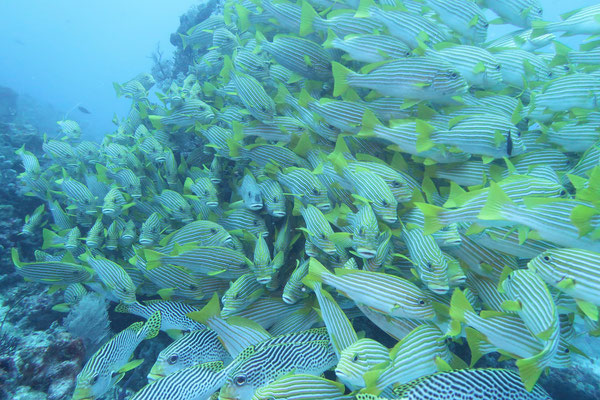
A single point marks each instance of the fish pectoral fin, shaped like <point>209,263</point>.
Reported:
<point>129,366</point>
<point>589,309</point>
<point>566,283</point>
<point>512,305</point>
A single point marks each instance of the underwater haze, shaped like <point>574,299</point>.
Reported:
<point>300,200</point>
<point>68,52</point>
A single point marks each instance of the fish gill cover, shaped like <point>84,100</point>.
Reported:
<point>341,165</point>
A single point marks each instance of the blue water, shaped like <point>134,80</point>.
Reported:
<point>68,52</point>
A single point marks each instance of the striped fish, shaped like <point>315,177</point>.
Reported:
<point>520,67</point>
<point>200,36</point>
<point>109,364</point>
<point>318,230</point>
<point>29,161</point>
<point>127,180</point>
<point>257,366</point>
<point>95,236</point>
<point>464,17</point>
<point>302,387</point>
<point>570,91</point>
<point>421,352</point>
<point>173,281</point>
<point>582,21</point>
<point>414,78</point>
<point>342,23</point>
<point>294,289</point>
<point>263,154</point>
<point>553,219</point>
<point>517,12</point>
<point>203,233</point>
<point>501,384</point>
<point>521,39</point>
<point>175,205</point>
<point>305,184</point>
<point>572,271</point>
<point>185,115</point>
<point>113,276</point>
<point>506,240</point>
<point>173,314</point>
<point>368,48</point>
<point>340,329</point>
<point>413,29</point>
<point>196,347</point>
<point>61,152</point>
<point>343,115</point>
<point>251,64</point>
<point>253,96</point>
<point>34,220</point>
<point>412,137</point>
<point>241,293</point>
<point>375,190</point>
<point>385,293</point>
<point>427,257</point>
<point>359,358</point>
<point>299,55</point>
<point>62,272</point>
<point>365,231</point>
<point>197,382</point>
<point>242,219</point>
<point>250,193</point>
<point>205,189</point>
<point>478,66</point>
<point>401,184</point>
<point>468,205</point>
<point>533,302</point>
<point>217,261</point>
<point>273,197</point>
<point>150,230</point>
<point>79,194</point>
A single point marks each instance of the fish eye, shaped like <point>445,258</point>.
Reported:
<point>429,265</point>
<point>563,192</point>
<point>355,358</point>
<point>453,75</point>
<point>498,67</point>
<point>407,54</point>
<point>193,287</point>
<point>213,231</point>
<point>274,199</point>
<point>323,236</point>
<point>384,203</point>
<point>255,222</point>
<point>249,194</point>
<point>236,296</point>
<point>206,192</point>
<point>361,231</point>
<point>486,25</point>
<point>567,350</point>
<point>546,258</point>
<point>315,192</point>
<point>173,359</point>
<point>396,184</point>
<point>422,302</point>
<point>94,379</point>
<point>329,126</point>
<point>240,380</point>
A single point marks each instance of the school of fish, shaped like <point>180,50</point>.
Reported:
<point>327,160</point>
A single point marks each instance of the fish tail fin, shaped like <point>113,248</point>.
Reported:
<point>581,217</point>
<point>363,10</point>
<point>307,18</point>
<point>433,220</point>
<point>476,345</point>
<point>50,239</point>
<point>14,253</point>
<point>340,78</point>
<point>424,131</point>
<point>369,122</point>
<point>153,258</point>
<point>243,17</point>
<point>497,202</point>
<point>331,37</point>
<point>211,310</point>
<point>316,272</point>
<point>118,89</point>
<point>183,40</point>
<point>152,326</point>
<point>459,305</point>
<point>531,368</point>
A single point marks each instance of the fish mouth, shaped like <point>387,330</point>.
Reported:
<point>212,203</point>
<point>255,207</point>
<point>330,252</point>
<point>366,253</point>
<point>440,289</point>
<point>390,220</point>
<point>153,376</point>
<point>279,214</point>
<point>287,299</point>
<point>263,280</point>
<point>146,242</point>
